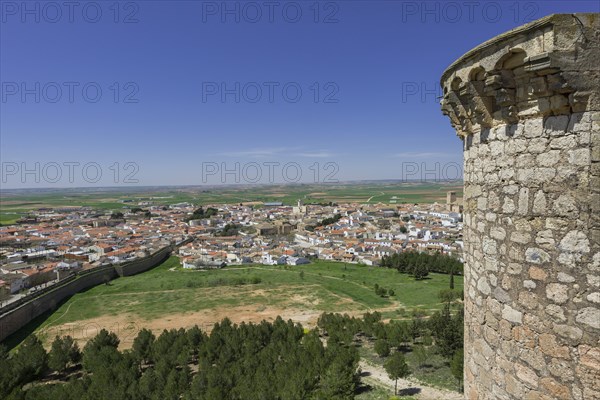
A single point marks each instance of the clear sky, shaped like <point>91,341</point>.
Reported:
<point>191,87</point>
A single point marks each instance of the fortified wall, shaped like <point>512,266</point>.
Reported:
<point>526,105</point>
<point>14,318</point>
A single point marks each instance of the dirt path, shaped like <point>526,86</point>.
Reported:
<point>375,195</point>
<point>405,386</point>
<point>65,313</point>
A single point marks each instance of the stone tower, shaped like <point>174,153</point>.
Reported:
<point>450,197</point>
<point>527,106</point>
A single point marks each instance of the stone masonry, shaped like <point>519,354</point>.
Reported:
<point>527,106</point>
<point>13,319</point>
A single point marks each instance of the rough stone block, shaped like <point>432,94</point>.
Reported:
<point>557,292</point>
<point>555,389</point>
<point>527,375</point>
<point>550,347</point>
<point>512,315</point>
<point>589,316</point>
<point>536,256</point>
<point>537,273</point>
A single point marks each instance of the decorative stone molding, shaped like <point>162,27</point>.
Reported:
<point>527,106</point>
<point>548,67</point>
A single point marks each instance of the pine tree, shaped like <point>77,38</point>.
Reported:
<point>142,345</point>
<point>30,361</point>
<point>382,348</point>
<point>396,368</point>
<point>64,351</point>
<point>420,355</point>
<point>457,366</point>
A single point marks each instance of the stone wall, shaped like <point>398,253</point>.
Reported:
<point>15,319</point>
<point>527,106</point>
<point>143,265</point>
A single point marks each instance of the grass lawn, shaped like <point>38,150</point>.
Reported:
<point>320,287</point>
<point>9,218</point>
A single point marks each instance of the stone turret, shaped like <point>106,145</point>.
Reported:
<point>527,106</point>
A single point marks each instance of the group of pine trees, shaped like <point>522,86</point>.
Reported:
<point>200,213</point>
<point>421,264</point>
<point>278,360</point>
<point>325,222</point>
<point>248,361</point>
<point>444,327</point>
<point>442,333</point>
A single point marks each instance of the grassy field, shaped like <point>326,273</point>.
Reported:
<point>9,218</point>
<point>15,203</point>
<point>169,296</point>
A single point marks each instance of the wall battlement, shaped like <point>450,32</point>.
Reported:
<point>527,106</point>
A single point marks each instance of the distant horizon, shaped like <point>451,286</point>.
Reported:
<point>224,185</point>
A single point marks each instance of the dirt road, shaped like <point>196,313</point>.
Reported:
<point>406,387</point>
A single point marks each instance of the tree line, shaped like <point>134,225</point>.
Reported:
<point>276,360</point>
<point>421,264</point>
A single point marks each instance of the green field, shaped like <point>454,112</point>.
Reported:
<point>170,296</point>
<point>9,218</point>
<point>13,204</point>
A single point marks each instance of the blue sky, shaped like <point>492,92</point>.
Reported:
<point>180,83</point>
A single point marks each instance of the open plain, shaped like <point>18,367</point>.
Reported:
<point>170,297</point>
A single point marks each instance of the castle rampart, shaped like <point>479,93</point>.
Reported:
<point>527,106</point>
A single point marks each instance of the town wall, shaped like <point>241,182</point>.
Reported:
<point>143,265</point>
<point>14,318</point>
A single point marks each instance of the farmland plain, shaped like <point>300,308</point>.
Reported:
<point>17,203</point>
